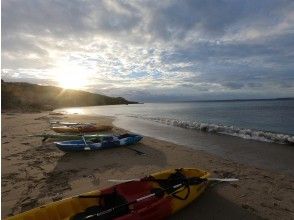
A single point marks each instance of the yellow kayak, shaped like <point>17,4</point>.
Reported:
<point>157,196</point>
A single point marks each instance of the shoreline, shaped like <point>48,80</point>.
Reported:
<point>34,174</point>
<point>270,156</point>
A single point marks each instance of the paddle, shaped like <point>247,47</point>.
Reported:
<point>207,179</point>
<point>71,123</point>
<point>40,135</point>
<point>144,179</point>
<point>137,151</point>
<point>190,181</point>
<point>86,145</point>
<point>159,192</point>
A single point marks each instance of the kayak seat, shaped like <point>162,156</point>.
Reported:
<point>96,140</point>
<point>107,201</point>
<point>174,179</point>
<point>157,210</point>
<point>136,189</point>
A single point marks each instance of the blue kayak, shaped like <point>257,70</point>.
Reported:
<point>99,143</point>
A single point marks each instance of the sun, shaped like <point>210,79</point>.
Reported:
<point>71,81</point>
<point>70,76</point>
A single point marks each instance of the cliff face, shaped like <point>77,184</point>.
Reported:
<point>29,97</point>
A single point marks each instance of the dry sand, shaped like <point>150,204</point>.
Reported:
<point>35,173</point>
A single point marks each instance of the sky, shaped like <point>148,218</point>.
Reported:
<point>152,50</point>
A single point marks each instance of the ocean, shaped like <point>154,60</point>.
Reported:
<point>257,133</point>
<point>261,120</point>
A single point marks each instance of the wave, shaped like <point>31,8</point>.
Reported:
<point>264,136</point>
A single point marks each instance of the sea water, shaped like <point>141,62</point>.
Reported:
<point>262,120</point>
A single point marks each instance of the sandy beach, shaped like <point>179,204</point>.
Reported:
<point>36,173</point>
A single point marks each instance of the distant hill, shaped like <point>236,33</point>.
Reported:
<point>32,97</point>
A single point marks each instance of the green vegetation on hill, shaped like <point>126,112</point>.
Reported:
<point>32,97</point>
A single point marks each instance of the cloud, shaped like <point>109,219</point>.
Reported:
<point>153,49</point>
<point>234,85</point>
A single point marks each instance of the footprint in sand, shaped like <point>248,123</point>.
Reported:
<point>27,205</point>
<point>95,180</point>
<point>245,206</point>
<point>57,197</point>
<point>224,174</point>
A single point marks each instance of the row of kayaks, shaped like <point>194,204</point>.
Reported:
<point>75,136</point>
<point>156,196</point>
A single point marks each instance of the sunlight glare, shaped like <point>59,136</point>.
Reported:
<point>79,111</point>
<point>69,76</point>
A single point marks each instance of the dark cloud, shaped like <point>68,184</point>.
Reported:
<point>268,61</point>
<point>176,19</point>
<point>213,18</point>
<point>254,85</point>
<point>64,19</point>
<point>233,85</point>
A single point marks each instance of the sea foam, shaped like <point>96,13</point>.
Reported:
<point>265,136</point>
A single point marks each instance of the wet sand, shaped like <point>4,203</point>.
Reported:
<point>35,173</point>
<point>271,156</point>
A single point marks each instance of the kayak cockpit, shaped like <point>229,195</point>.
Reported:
<point>106,202</point>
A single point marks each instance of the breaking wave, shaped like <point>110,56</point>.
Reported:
<point>265,136</point>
